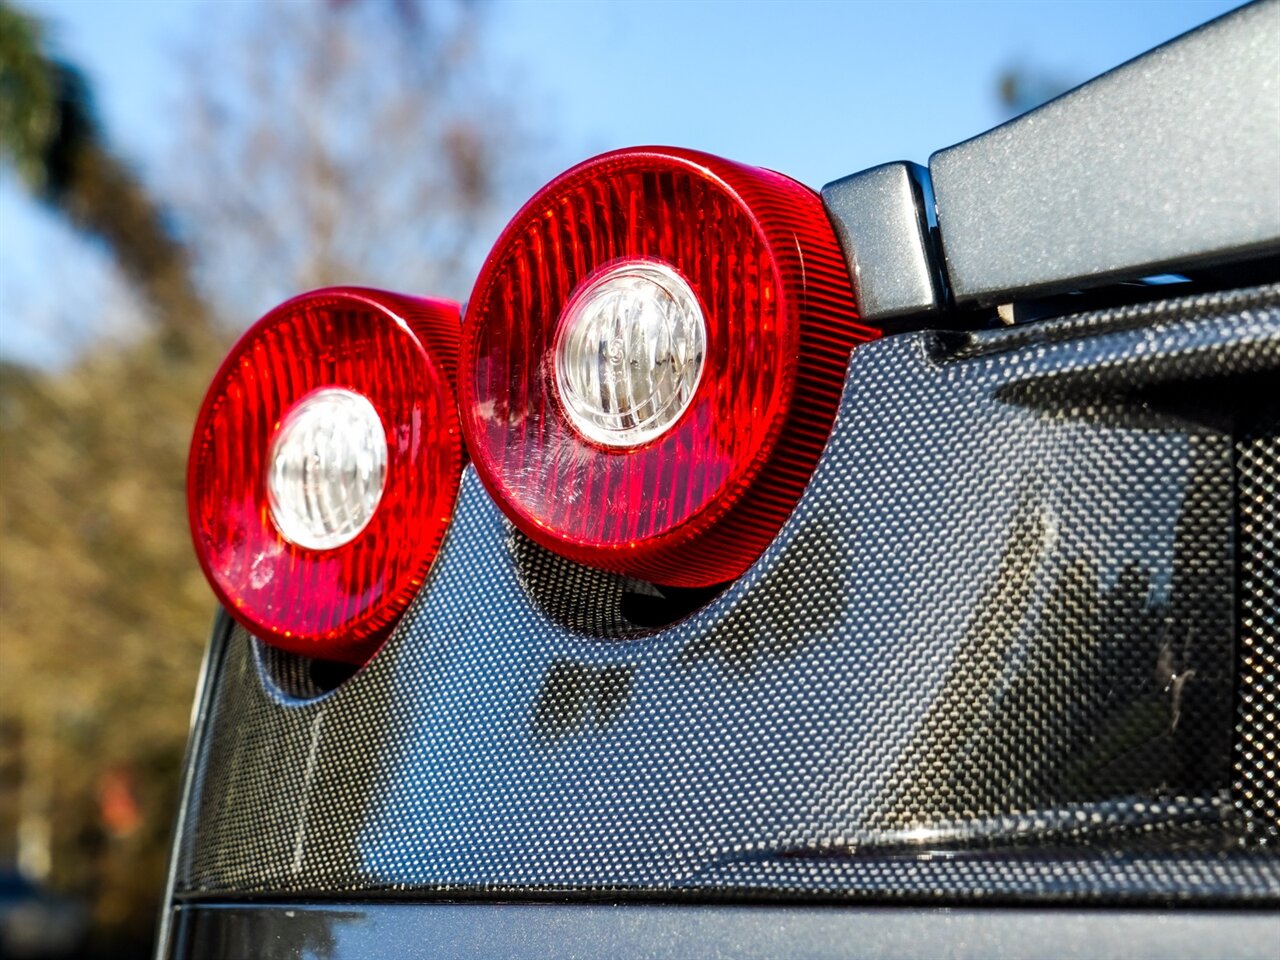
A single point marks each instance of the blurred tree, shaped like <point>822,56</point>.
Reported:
<point>1021,88</point>
<point>363,145</point>
<point>343,142</point>
<point>50,132</point>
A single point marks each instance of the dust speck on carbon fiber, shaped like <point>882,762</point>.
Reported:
<point>992,655</point>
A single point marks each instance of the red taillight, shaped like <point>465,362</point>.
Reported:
<point>324,467</point>
<point>652,360</point>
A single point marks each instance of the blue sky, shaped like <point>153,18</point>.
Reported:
<point>814,89</point>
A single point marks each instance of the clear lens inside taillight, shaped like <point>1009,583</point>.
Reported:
<point>324,468</point>
<point>327,468</point>
<point>629,353</point>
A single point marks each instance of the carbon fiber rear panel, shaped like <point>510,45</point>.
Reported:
<point>1257,766</point>
<point>993,654</point>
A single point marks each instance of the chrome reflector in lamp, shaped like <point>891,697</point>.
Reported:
<point>328,469</point>
<point>629,353</point>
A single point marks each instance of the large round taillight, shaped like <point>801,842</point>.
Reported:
<point>652,360</point>
<point>325,465</point>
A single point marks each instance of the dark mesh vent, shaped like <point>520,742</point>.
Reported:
<point>580,598</point>
<point>1257,767</point>
<point>301,678</point>
<point>595,602</point>
<point>991,655</point>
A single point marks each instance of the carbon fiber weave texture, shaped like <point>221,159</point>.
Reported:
<point>992,654</point>
<point>1257,763</point>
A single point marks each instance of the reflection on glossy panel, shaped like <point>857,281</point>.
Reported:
<point>992,654</point>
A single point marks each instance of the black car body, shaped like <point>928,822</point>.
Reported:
<point>1004,684</point>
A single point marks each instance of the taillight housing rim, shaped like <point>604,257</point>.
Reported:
<point>733,520</point>
<point>399,353</point>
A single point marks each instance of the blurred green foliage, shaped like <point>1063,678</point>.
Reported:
<point>103,615</point>
<point>97,670</point>
<point>28,104</point>
<point>56,144</point>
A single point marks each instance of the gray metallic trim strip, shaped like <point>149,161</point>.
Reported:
<point>545,931</point>
<point>205,684</point>
<point>880,217</point>
<point>1168,162</point>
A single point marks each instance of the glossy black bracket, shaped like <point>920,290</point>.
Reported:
<point>882,219</point>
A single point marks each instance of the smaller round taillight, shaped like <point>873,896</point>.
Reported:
<point>325,465</point>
